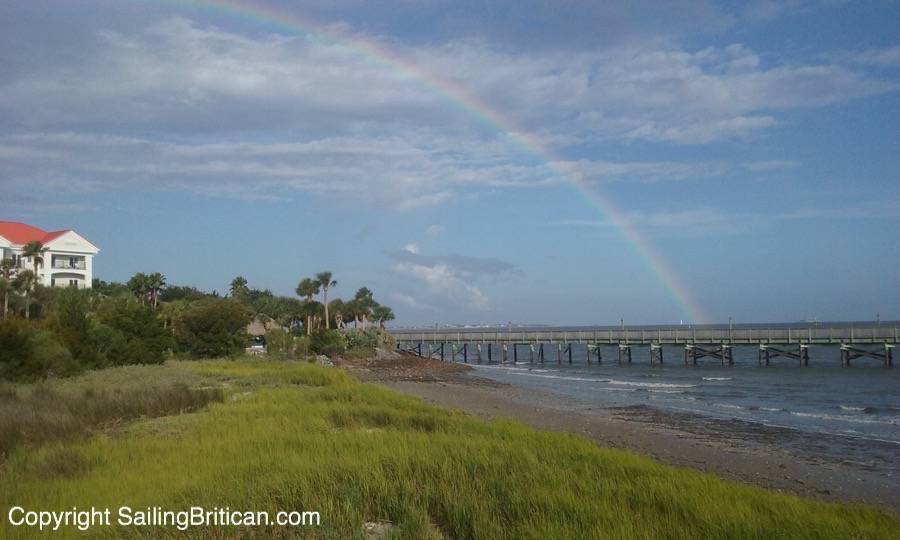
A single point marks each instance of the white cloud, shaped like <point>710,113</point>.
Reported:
<point>179,77</point>
<point>883,57</point>
<point>452,277</point>
<point>434,230</point>
<point>443,281</point>
<point>410,301</point>
<point>772,165</point>
<point>336,123</point>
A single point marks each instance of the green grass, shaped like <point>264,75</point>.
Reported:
<point>295,436</point>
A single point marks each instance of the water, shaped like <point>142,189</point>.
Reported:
<point>852,414</point>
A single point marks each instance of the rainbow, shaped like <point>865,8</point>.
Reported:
<point>295,23</point>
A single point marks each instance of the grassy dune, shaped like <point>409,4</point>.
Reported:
<point>301,437</point>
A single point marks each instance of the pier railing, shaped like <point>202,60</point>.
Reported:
<point>662,336</point>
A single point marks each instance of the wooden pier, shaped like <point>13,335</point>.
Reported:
<point>874,341</point>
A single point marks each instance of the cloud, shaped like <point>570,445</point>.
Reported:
<point>464,265</point>
<point>645,172</point>
<point>181,78</point>
<point>707,220</point>
<point>270,117</point>
<point>434,230</point>
<point>883,57</point>
<point>771,165</point>
<point>443,281</point>
<point>451,277</point>
<point>409,301</point>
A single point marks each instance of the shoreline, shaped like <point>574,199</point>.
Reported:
<point>757,460</point>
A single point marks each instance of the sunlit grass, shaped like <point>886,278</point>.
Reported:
<point>295,436</point>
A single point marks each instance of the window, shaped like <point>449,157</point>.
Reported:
<point>73,283</point>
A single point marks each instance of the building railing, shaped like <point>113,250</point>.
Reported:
<point>78,265</point>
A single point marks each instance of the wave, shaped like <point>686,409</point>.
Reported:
<point>727,406</point>
<point>650,384</point>
<point>844,418</point>
<point>716,378</point>
<point>564,377</point>
<point>849,408</point>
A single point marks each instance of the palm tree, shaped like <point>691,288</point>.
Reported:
<point>337,308</point>
<point>7,271</point>
<point>35,249</point>
<point>139,285</point>
<point>156,282</point>
<point>382,314</point>
<point>364,301</point>
<point>307,288</point>
<point>239,287</point>
<point>325,281</point>
<point>26,281</point>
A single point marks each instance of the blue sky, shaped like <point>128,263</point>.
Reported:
<point>752,145</point>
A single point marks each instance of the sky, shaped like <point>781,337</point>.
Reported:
<point>534,162</point>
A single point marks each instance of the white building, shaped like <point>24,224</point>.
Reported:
<point>68,261</point>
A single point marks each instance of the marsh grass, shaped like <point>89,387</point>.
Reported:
<point>33,415</point>
<point>294,436</point>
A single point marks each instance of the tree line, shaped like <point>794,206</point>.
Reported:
<point>307,311</point>
<point>50,331</point>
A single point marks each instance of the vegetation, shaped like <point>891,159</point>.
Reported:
<point>212,327</point>
<point>146,320</point>
<point>36,415</point>
<point>299,436</point>
<point>328,342</point>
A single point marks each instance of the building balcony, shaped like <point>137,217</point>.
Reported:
<point>69,265</point>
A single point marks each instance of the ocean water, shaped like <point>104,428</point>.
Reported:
<point>851,414</point>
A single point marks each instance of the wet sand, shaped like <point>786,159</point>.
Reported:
<point>741,452</point>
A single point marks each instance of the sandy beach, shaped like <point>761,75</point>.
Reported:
<point>734,452</point>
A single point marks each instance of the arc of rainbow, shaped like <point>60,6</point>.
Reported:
<point>296,23</point>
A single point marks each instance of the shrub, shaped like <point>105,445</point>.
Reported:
<point>279,342</point>
<point>16,337</point>
<point>212,327</point>
<point>50,358</point>
<point>362,338</point>
<point>129,333</point>
<point>72,325</point>
<point>31,353</point>
<point>328,342</point>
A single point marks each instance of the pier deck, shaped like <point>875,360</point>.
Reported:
<point>875,340</point>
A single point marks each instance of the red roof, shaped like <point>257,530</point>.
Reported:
<point>20,233</point>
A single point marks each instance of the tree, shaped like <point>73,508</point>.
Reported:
<point>129,333</point>
<point>337,309</point>
<point>325,281</point>
<point>307,288</point>
<point>7,271</point>
<point>25,282</point>
<point>382,314</point>
<point>364,303</point>
<point>239,288</point>
<point>35,250</point>
<point>213,327</point>
<point>139,285</point>
<point>155,283</point>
